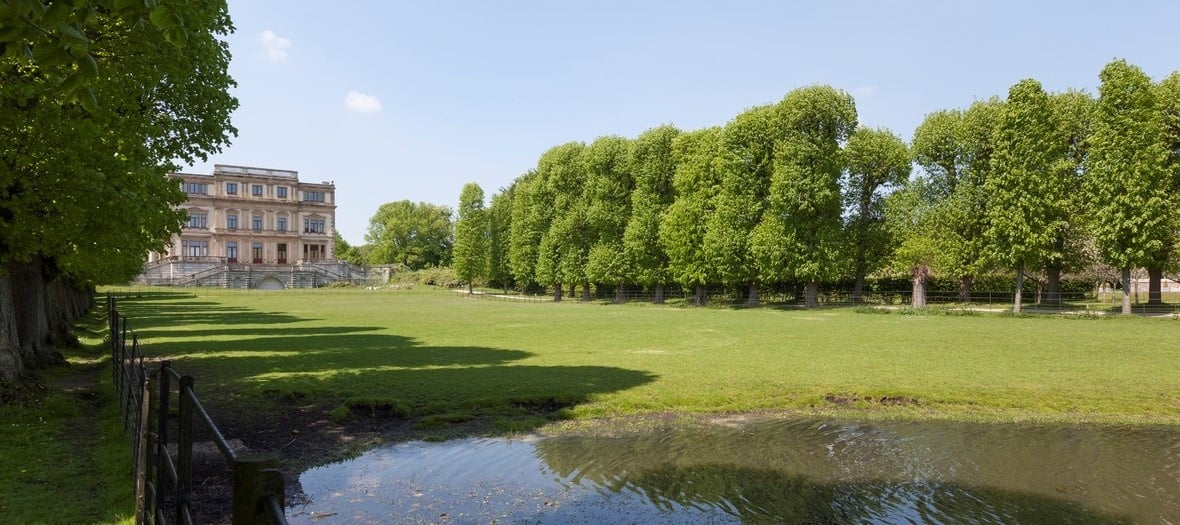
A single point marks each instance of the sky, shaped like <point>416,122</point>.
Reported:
<point>399,100</point>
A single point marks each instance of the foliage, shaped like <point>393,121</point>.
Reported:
<point>1133,221</point>
<point>653,166</point>
<point>415,235</point>
<point>471,235</point>
<point>682,231</point>
<point>499,216</point>
<point>878,162</point>
<point>609,185</point>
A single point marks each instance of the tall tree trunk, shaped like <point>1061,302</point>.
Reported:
<point>858,287</point>
<point>58,314</point>
<point>966,284</point>
<point>557,293</point>
<point>918,277</point>
<point>699,297</point>
<point>1016,301</point>
<point>752,299</point>
<point>659,297</point>
<point>1053,285</point>
<point>28,300</point>
<point>812,299</point>
<point>11,365</point>
<point>620,294</point>
<point>1126,291</point>
<point>469,290</point>
<point>586,291</point>
<point>1155,277</point>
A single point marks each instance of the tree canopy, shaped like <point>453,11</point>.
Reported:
<point>414,235</point>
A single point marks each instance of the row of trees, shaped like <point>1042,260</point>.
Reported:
<point>798,192</point>
<point>99,99</point>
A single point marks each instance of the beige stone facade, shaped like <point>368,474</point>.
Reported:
<point>254,216</point>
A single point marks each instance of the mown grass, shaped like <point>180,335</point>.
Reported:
<point>443,357</point>
<point>65,458</point>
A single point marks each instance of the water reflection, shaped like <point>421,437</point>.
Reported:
<point>797,471</point>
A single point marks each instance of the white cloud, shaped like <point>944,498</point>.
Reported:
<point>864,90</point>
<point>361,103</point>
<point>275,46</point>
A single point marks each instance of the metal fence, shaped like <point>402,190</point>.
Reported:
<point>163,481</point>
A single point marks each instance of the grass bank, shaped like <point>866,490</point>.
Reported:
<point>443,359</point>
<point>65,458</point>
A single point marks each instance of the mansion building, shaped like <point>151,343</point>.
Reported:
<point>251,228</point>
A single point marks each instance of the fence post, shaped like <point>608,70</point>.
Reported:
<point>141,453</point>
<point>162,408</point>
<point>184,445</point>
<point>251,474</point>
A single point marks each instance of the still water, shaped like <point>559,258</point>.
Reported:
<point>793,471</point>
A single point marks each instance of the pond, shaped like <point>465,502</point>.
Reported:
<point>785,471</point>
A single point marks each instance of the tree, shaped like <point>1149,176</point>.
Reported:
<point>132,97</point>
<point>1075,112</point>
<point>878,161</point>
<point>414,235</point>
<point>1133,220</point>
<point>1028,190</point>
<point>1168,102</point>
<point>800,234</point>
<point>561,257</point>
<point>609,184</point>
<point>471,236</point>
<point>351,254</point>
<point>682,232</point>
<point>532,211</point>
<point>653,166</point>
<point>911,218</point>
<point>747,166</point>
<point>499,237</point>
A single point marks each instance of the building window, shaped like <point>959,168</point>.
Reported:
<point>282,255</point>
<point>197,220</point>
<point>313,226</point>
<point>281,191</point>
<point>313,196</point>
<point>231,252</point>
<point>195,188</point>
<point>257,252</point>
<point>231,221</point>
<point>256,222</point>
<point>231,188</point>
<point>282,224</point>
<point>195,248</point>
<point>256,190</point>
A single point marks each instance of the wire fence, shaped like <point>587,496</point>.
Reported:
<point>163,480</point>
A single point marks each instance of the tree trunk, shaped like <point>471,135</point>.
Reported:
<point>557,293</point>
<point>1019,288</point>
<point>918,277</point>
<point>1126,291</point>
<point>659,298</point>
<point>699,297</point>
<point>28,298</point>
<point>469,290</point>
<point>752,299</point>
<point>1053,286</point>
<point>1155,277</point>
<point>858,288</point>
<point>58,314</point>
<point>812,300</point>
<point>966,283</point>
<point>11,365</point>
<point>586,292</point>
<point>620,294</point>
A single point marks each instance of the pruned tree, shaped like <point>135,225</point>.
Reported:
<point>471,248</point>
<point>682,231</point>
<point>1133,217</point>
<point>609,184</point>
<point>414,235</point>
<point>564,245</point>
<point>499,237</point>
<point>878,162</point>
<point>653,167</point>
<point>532,211</point>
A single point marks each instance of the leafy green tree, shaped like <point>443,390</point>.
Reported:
<point>609,184</point>
<point>878,161</point>
<point>747,166</point>
<point>682,232</point>
<point>911,218</point>
<point>129,100</point>
<point>347,253</point>
<point>499,237</point>
<point>1075,111</point>
<point>800,236</point>
<point>564,246</point>
<point>1133,222</point>
<point>653,166</point>
<point>532,211</point>
<point>1028,189</point>
<point>471,236</point>
<point>414,235</point>
<point>1168,102</point>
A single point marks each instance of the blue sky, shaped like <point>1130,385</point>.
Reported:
<point>410,100</point>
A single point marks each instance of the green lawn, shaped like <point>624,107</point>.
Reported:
<point>439,354</point>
